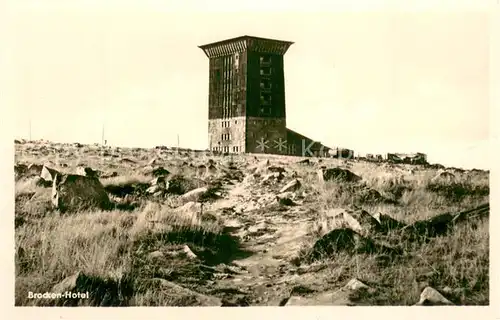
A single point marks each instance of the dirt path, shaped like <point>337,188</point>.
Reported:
<point>272,233</point>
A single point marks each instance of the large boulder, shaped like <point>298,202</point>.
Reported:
<point>71,192</point>
<point>47,176</point>
<point>346,240</point>
<point>179,185</point>
<point>356,219</point>
<point>443,223</point>
<point>371,196</point>
<point>337,174</point>
<point>361,221</point>
<point>27,171</point>
<point>387,223</point>
<point>443,175</point>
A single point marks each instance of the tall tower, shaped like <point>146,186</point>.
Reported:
<point>247,95</point>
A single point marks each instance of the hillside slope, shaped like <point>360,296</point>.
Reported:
<point>185,228</point>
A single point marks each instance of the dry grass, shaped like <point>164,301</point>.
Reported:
<point>114,247</point>
<point>105,245</point>
<point>459,262</point>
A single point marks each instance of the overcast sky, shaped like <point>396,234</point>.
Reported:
<point>370,81</point>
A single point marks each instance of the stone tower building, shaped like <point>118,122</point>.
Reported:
<point>247,99</point>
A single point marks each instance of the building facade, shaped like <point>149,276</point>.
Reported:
<point>246,99</point>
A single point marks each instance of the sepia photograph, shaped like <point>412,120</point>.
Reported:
<point>221,155</point>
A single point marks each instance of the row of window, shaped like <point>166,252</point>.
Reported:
<point>230,75</point>
<point>226,149</point>
<point>234,84</point>
<point>227,124</point>
<point>230,59</point>
<point>291,149</point>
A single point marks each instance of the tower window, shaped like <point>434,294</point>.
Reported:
<point>265,99</point>
<point>265,59</point>
<point>266,85</point>
<point>265,71</point>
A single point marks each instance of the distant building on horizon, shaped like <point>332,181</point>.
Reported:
<point>410,158</point>
<point>247,110</point>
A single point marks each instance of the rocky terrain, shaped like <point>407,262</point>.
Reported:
<point>163,227</point>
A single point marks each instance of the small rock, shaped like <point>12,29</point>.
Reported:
<point>355,284</point>
<point>159,181</point>
<point>291,186</point>
<point>152,162</point>
<point>69,283</point>
<point>110,175</point>
<point>153,189</point>
<point>158,194</point>
<point>188,252</point>
<point>47,175</point>
<point>156,255</point>
<point>432,297</point>
<point>194,195</point>
<point>86,171</point>
<point>127,160</point>
<point>443,175</point>
<point>276,176</point>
